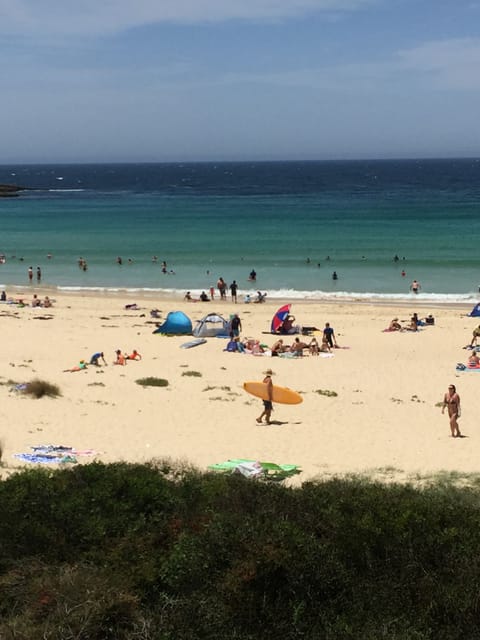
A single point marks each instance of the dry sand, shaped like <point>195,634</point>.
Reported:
<point>384,417</point>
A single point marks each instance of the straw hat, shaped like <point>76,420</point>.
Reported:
<point>268,372</point>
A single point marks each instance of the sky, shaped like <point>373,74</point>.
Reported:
<point>202,80</point>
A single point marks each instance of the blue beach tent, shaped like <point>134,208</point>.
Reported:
<point>176,324</point>
<point>475,312</point>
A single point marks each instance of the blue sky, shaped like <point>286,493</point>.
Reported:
<point>177,80</point>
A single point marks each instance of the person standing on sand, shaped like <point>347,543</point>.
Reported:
<point>233,291</point>
<point>267,404</point>
<point>329,334</point>
<point>222,288</point>
<point>236,325</point>
<point>452,400</point>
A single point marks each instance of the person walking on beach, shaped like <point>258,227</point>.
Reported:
<point>329,335</point>
<point>267,404</point>
<point>415,287</point>
<point>236,325</point>
<point>233,291</point>
<point>452,400</point>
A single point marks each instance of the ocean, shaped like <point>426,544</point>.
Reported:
<point>294,223</point>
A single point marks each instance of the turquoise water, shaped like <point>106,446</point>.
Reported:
<point>281,219</point>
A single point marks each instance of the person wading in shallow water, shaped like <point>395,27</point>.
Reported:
<point>452,400</point>
<point>267,404</point>
<point>415,287</point>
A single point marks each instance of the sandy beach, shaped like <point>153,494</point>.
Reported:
<point>384,418</point>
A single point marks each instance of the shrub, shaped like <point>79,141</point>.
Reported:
<point>193,374</point>
<point>152,382</point>
<point>39,388</point>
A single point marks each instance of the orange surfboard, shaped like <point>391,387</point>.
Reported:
<point>282,395</point>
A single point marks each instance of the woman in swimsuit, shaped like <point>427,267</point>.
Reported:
<point>452,400</point>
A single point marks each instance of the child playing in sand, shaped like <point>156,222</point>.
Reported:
<point>81,366</point>
<point>121,360</point>
<point>134,355</point>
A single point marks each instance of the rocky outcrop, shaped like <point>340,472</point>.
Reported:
<point>9,190</point>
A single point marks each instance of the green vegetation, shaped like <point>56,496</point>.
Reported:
<point>327,392</point>
<point>39,388</point>
<point>194,374</point>
<point>163,552</point>
<point>152,382</point>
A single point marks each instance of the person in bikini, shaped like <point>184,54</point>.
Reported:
<point>473,360</point>
<point>452,400</point>
<point>313,347</point>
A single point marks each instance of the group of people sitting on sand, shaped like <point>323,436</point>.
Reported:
<point>473,360</point>
<point>120,359</point>
<point>413,325</point>
<point>278,348</point>
<point>36,301</point>
<point>297,348</point>
<point>45,303</point>
<point>260,297</point>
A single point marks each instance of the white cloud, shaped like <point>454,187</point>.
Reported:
<point>111,16</point>
<point>446,64</point>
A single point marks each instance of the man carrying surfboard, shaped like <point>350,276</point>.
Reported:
<point>267,404</point>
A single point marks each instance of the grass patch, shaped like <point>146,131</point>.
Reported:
<point>211,388</point>
<point>192,374</point>
<point>96,384</point>
<point>152,382</point>
<point>327,392</point>
<point>40,388</point>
